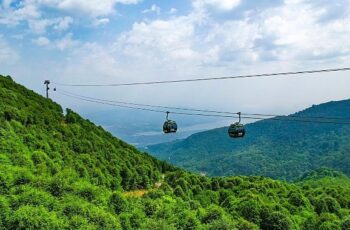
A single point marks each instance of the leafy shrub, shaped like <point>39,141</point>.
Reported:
<point>118,203</point>
<point>31,217</point>
<point>276,221</point>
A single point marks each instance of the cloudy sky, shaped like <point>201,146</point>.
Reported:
<point>114,41</point>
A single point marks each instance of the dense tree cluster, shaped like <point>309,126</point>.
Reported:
<point>59,171</point>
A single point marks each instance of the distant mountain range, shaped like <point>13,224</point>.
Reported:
<point>277,149</point>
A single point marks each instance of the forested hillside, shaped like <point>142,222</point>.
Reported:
<point>277,149</point>
<point>59,171</point>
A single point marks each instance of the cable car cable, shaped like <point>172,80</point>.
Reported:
<point>106,103</point>
<point>208,111</point>
<point>208,79</point>
<point>207,115</point>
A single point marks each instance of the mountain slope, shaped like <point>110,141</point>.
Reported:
<point>30,123</point>
<point>62,172</point>
<point>277,149</point>
<point>48,158</point>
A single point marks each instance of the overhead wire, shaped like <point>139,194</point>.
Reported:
<point>207,79</point>
<point>205,110</point>
<point>203,114</point>
<point>107,103</point>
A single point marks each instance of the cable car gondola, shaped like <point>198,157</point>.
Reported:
<point>237,129</point>
<point>169,125</point>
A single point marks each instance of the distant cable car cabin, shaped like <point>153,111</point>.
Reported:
<point>237,129</point>
<point>169,125</point>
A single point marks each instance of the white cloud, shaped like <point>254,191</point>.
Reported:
<point>172,38</point>
<point>6,3</point>
<point>101,21</point>
<point>64,23</point>
<point>234,40</point>
<point>154,8</point>
<point>66,42</point>
<point>172,10</point>
<point>7,54</point>
<point>42,41</point>
<point>292,32</point>
<point>177,39</point>
<point>298,33</point>
<point>27,11</point>
<point>224,5</point>
<point>163,40</point>
<point>91,60</point>
<point>39,26</point>
<point>34,12</point>
<point>93,8</point>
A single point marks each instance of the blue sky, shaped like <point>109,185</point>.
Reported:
<point>111,41</point>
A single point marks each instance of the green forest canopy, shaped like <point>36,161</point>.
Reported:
<point>276,149</point>
<point>62,172</point>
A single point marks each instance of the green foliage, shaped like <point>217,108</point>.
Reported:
<point>118,203</point>
<point>33,217</point>
<point>346,224</point>
<point>213,213</point>
<point>188,220</point>
<point>326,204</point>
<point>276,149</point>
<point>62,172</point>
<point>276,221</point>
<point>250,210</point>
<point>4,212</point>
